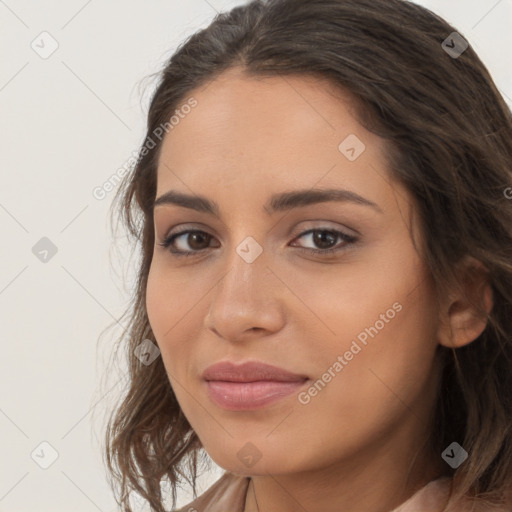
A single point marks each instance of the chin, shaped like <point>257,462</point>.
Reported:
<point>246,462</point>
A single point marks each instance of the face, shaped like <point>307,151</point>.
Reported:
<point>330,289</point>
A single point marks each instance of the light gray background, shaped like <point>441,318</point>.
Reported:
<point>69,122</point>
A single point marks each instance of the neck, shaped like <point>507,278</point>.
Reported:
<point>378,482</point>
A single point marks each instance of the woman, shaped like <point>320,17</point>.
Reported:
<point>326,267</point>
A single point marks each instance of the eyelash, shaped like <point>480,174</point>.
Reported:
<point>348,239</point>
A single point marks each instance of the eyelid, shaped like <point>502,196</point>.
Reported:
<point>178,229</point>
<point>325,225</point>
<point>198,226</point>
<point>347,240</point>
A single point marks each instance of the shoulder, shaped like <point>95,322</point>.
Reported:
<point>227,493</point>
<point>483,506</point>
<point>468,504</point>
<point>436,495</point>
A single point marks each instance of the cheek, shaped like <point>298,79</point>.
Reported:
<point>170,299</point>
<point>387,350</point>
<point>167,314</point>
<point>380,318</point>
<point>157,306</point>
<point>173,325</point>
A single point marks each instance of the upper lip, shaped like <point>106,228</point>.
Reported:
<point>250,371</point>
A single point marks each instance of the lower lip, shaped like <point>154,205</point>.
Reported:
<point>237,396</point>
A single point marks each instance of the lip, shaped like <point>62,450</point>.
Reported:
<point>250,385</point>
<point>249,371</point>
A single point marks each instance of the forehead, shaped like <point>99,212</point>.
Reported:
<point>261,113</point>
<point>252,134</point>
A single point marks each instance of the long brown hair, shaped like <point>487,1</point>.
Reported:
<point>448,133</point>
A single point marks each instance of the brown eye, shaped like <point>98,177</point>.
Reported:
<point>191,242</point>
<point>196,241</point>
<point>324,239</point>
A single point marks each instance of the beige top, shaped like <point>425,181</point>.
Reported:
<point>228,494</point>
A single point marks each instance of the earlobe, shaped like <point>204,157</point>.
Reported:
<point>463,316</point>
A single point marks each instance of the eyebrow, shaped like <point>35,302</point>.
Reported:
<point>277,203</point>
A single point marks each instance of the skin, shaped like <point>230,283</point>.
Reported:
<point>359,443</point>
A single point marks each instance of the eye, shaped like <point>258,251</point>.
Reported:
<point>325,238</point>
<point>198,241</point>
<point>195,238</point>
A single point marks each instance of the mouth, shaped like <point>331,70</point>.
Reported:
<point>238,396</point>
<point>251,385</point>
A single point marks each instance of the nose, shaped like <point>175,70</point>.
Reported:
<point>247,301</point>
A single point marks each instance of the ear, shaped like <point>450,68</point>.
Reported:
<point>461,323</point>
